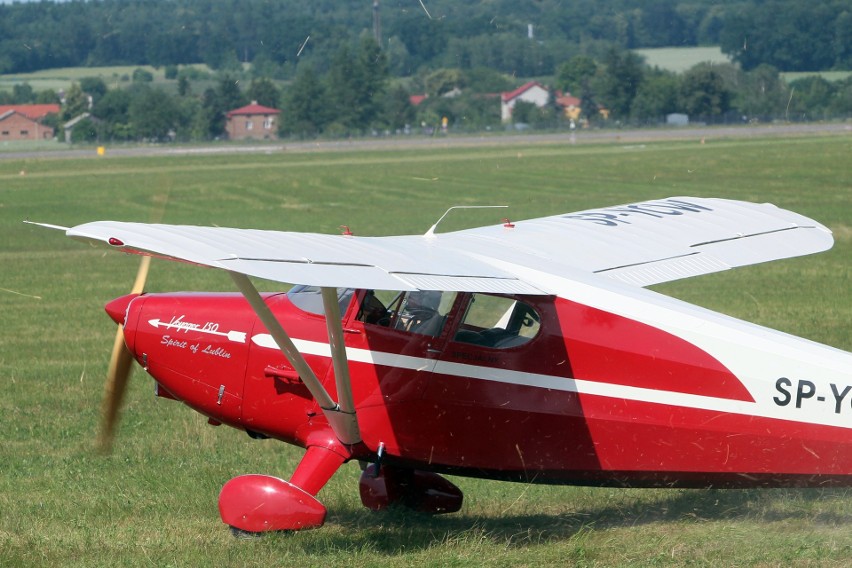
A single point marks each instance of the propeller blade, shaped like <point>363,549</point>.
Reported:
<point>116,384</point>
<point>120,365</point>
<point>141,275</point>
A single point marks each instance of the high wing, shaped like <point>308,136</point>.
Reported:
<point>638,244</point>
<point>654,241</point>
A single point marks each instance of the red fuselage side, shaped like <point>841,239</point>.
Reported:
<point>560,407</point>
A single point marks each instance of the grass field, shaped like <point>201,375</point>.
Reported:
<point>153,501</point>
<point>680,59</point>
<point>64,77</point>
<point>827,75</point>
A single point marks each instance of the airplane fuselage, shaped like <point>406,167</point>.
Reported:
<point>649,392</point>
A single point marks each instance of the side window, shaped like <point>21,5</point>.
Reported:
<point>498,322</point>
<point>309,299</point>
<point>423,312</point>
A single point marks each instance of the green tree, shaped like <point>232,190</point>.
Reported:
<point>47,97</point>
<point>703,92</point>
<point>657,96</point>
<point>152,114</point>
<point>618,80</point>
<point>761,93</point>
<point>399,60</point>
<point>22,93</point>
<point>112,110</point>
<point>398,111</point>
<point>424,38</point>
<point>84,131</point>
<point>485,80</point>
<point>843,40</point>
<point>216,102</point>
<point>187,112</point>
<point>76,102</point>
<point>659,25</point>
<point>142,76</point>
<point>184,88</point>
<point>841,102</point>
<point>787,34</point>
<point>369,80</point>
<point>228,94</point>
<point>306,105</point>
<point>436,83</point>
<point>340,85</point>
<point>811,98</point>
<point>575,74</point>
<point>356,85</point>
<point>94,87</point>
<point>264,92</point>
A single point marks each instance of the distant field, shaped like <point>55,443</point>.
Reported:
<point>827,75</point>
<point>153,502</point>
<point>679,59</point>
<point>62,78</point>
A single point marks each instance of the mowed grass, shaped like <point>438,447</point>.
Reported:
<point>153,501</point>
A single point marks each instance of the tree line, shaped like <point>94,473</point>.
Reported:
<point>356,95</point>
<point>520,37</point>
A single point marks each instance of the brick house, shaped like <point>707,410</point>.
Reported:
<point>252,121</point>
<point>23,122</point>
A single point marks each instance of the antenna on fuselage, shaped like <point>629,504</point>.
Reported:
<point>431,231</point>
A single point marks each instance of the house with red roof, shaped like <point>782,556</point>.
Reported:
<point>252,122</point>
<point>532,92</point>
<point>539,95</point>
<point>570,105</point>
<point>24,122</point>
<point>417,99</point>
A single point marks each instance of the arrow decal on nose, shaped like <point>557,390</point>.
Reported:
<point>210,328</point>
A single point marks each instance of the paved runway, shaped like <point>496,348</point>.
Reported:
<point>439,141</point>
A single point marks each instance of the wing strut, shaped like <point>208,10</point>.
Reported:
<point>338,350</point>
<point>341,417</point>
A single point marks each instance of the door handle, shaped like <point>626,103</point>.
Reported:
<point>287,375</point>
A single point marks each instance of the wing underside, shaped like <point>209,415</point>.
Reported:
<point>639,244</point>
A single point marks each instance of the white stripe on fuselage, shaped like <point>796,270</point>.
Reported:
<point>760,408</point>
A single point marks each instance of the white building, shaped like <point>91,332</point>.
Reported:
<point>532,92</point>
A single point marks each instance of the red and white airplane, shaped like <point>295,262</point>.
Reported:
<point>527,351</point>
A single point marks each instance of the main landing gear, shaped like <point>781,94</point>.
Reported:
<point>252,504</point>
<point>421,491</point>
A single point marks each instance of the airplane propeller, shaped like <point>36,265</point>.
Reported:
<point>120,365</point>
<point>121,359</point>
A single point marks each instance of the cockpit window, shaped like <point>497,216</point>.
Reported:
<point>309,299</point>
<point>423,312</point>
<point>498,322</point>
